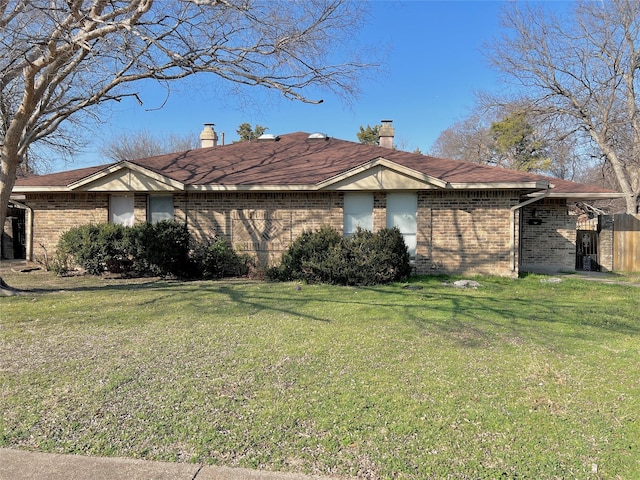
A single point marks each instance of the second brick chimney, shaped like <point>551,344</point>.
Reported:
<point>208,136</point>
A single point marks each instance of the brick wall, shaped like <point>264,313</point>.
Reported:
<point>548,236</point>
<point>458,232</point>
<point>464,232</point>
<point>54,214</point>
<point>261,224</point>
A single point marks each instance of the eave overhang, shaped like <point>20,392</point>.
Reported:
<point>534,185</point>
<point>582,195</point>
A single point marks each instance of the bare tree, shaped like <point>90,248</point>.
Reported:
<point>61,59</point>
<point>582,69</point>
<point>143,143</point>
<point>472,139</point>
<point>468,139</point>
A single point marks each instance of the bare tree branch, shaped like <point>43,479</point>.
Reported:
<point>584,70</point>
<point>62,59</point>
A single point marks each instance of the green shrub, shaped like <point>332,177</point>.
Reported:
<point>163,248</point>
<point>365,258</point>
<point>305,256</point>
<point>212,259</point>
<point>95,248</point>
<point>160,248</point>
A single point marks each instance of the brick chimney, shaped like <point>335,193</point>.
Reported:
<point>208,136</point>
<point>386,134</point>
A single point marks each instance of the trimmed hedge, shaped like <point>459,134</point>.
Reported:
<point>160,248</point>
<point>96,248</point>
<point>364,258</point>
<point>163,248</point>
<point>213,259</point>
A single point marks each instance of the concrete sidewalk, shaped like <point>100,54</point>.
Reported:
<point>25,465</point>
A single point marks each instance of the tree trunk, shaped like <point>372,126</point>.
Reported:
<point>8,168</point>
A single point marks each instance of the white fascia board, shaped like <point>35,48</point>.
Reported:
<point>35,189</point>
<point>251,188</point>
<point>539,185</point>
<point>583,196</point>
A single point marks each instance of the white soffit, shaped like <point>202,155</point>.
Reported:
<point>126,177</point>
<point>582,196</point>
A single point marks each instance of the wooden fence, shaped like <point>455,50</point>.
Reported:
<point>626,242</point>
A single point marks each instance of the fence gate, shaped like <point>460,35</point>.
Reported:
<point>626,242</point>
<point>587,250</point>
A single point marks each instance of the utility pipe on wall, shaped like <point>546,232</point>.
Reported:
<point>512,226</point>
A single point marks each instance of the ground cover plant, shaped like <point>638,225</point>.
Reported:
<point>515,379</point>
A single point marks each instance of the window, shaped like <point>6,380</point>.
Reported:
<point>160,208</point>
<point>402,212</point>
<point>121,209</point>
<point>358,212</point>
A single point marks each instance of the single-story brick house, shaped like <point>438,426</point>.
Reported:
<point>259,195</point>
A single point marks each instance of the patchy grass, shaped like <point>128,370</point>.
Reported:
<point>515,379</point>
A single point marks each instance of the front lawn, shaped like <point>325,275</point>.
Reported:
<point>517,379</point>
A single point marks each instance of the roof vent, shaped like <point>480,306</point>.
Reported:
<point>269,136</point>
<point>318,136</point>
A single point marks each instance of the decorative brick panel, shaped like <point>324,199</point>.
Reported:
<point>261,224</point>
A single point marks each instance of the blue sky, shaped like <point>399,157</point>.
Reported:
<point>434,66</point>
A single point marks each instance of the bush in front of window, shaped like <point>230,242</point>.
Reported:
<point>160,248</point>
<point>95,248</point>
<point>364,258</point>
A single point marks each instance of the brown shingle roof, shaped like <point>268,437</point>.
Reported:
<point>294,159</point>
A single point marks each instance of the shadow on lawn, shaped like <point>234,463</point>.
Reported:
<point>473,317</point>
<point>476,316</point>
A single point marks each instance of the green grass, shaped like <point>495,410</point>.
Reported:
<point>517,379</point>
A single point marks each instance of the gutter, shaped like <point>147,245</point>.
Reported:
<point>512,226</point>
<point>28,228</point>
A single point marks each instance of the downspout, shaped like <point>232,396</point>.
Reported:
<point>28,228</point>
<point>512,227</point>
